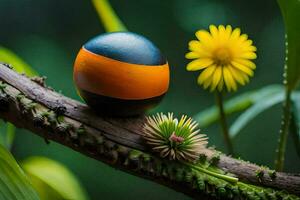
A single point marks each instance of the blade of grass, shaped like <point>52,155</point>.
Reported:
<point>9,57</point>
<point>109,18</point>
<point>236,104</point>
<point>14,184</point>
<point>253,111</point>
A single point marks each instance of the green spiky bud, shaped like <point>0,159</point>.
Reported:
<point>175,139</point>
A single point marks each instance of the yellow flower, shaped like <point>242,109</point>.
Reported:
<point>224,56</point>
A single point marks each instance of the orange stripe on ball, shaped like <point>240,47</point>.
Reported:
<point>108,77</point>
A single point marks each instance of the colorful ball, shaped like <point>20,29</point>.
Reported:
<point>121,74</point>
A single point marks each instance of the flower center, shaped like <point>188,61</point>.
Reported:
<point>175,138</point>
<point>222,56</point>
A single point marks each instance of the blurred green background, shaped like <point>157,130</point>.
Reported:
<point>48,34</point>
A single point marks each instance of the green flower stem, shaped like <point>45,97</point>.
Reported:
<point>110,20</point>
<point>294,130</point>
<point>230,179</point>
<point>284,130</point>
<point>219,101</point>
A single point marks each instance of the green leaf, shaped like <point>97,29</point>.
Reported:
<point>237,104</point>
<point>14,185</point>
<point>2,135</point>
<point>7,134</point>
<point>7,56</point>
<point>295,122</point>
<point>108,17</point>
<point>52,180</point>
<point>10,134</point>
<point>253,111</point>
<point>290,10</point>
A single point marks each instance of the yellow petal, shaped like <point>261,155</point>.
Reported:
<point>237,75</point>
<point>199,64</point>
<point>229,81</point>
<point>243,68</point>
<point>196,46</point>
<point>246,49</point>
<point>192,55</point>
<point>216,77</point>
<point>235,34</point>
<point>222,34</point>
<point>247,63</point>
<point>243,38</point>
<point>207,82</point>
<point>252,48</point>
<point>228,31</point>
<point>206,74</point>
<point>205,38</point>
<point>248,55</point>
<point>221,29</point>
<point>248,42</point>
<point>214,31</point>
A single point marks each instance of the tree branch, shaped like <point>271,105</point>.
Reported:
<point>29,104</point>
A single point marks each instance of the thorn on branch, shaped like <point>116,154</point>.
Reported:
<point>62,128</point>
<point>38,121</point>
<point>39,80</point>
<point>215,158</point>
<point>60,109</point>
<point>259,174</point>
<point>51,117</point>
<point>7,65</point>
<point>26,105</point>
<point>123,152</point>
<point>272,174</point>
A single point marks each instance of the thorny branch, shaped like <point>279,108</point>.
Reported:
<point>29,104</point>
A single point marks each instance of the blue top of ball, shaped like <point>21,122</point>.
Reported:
<point>126,47</point>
